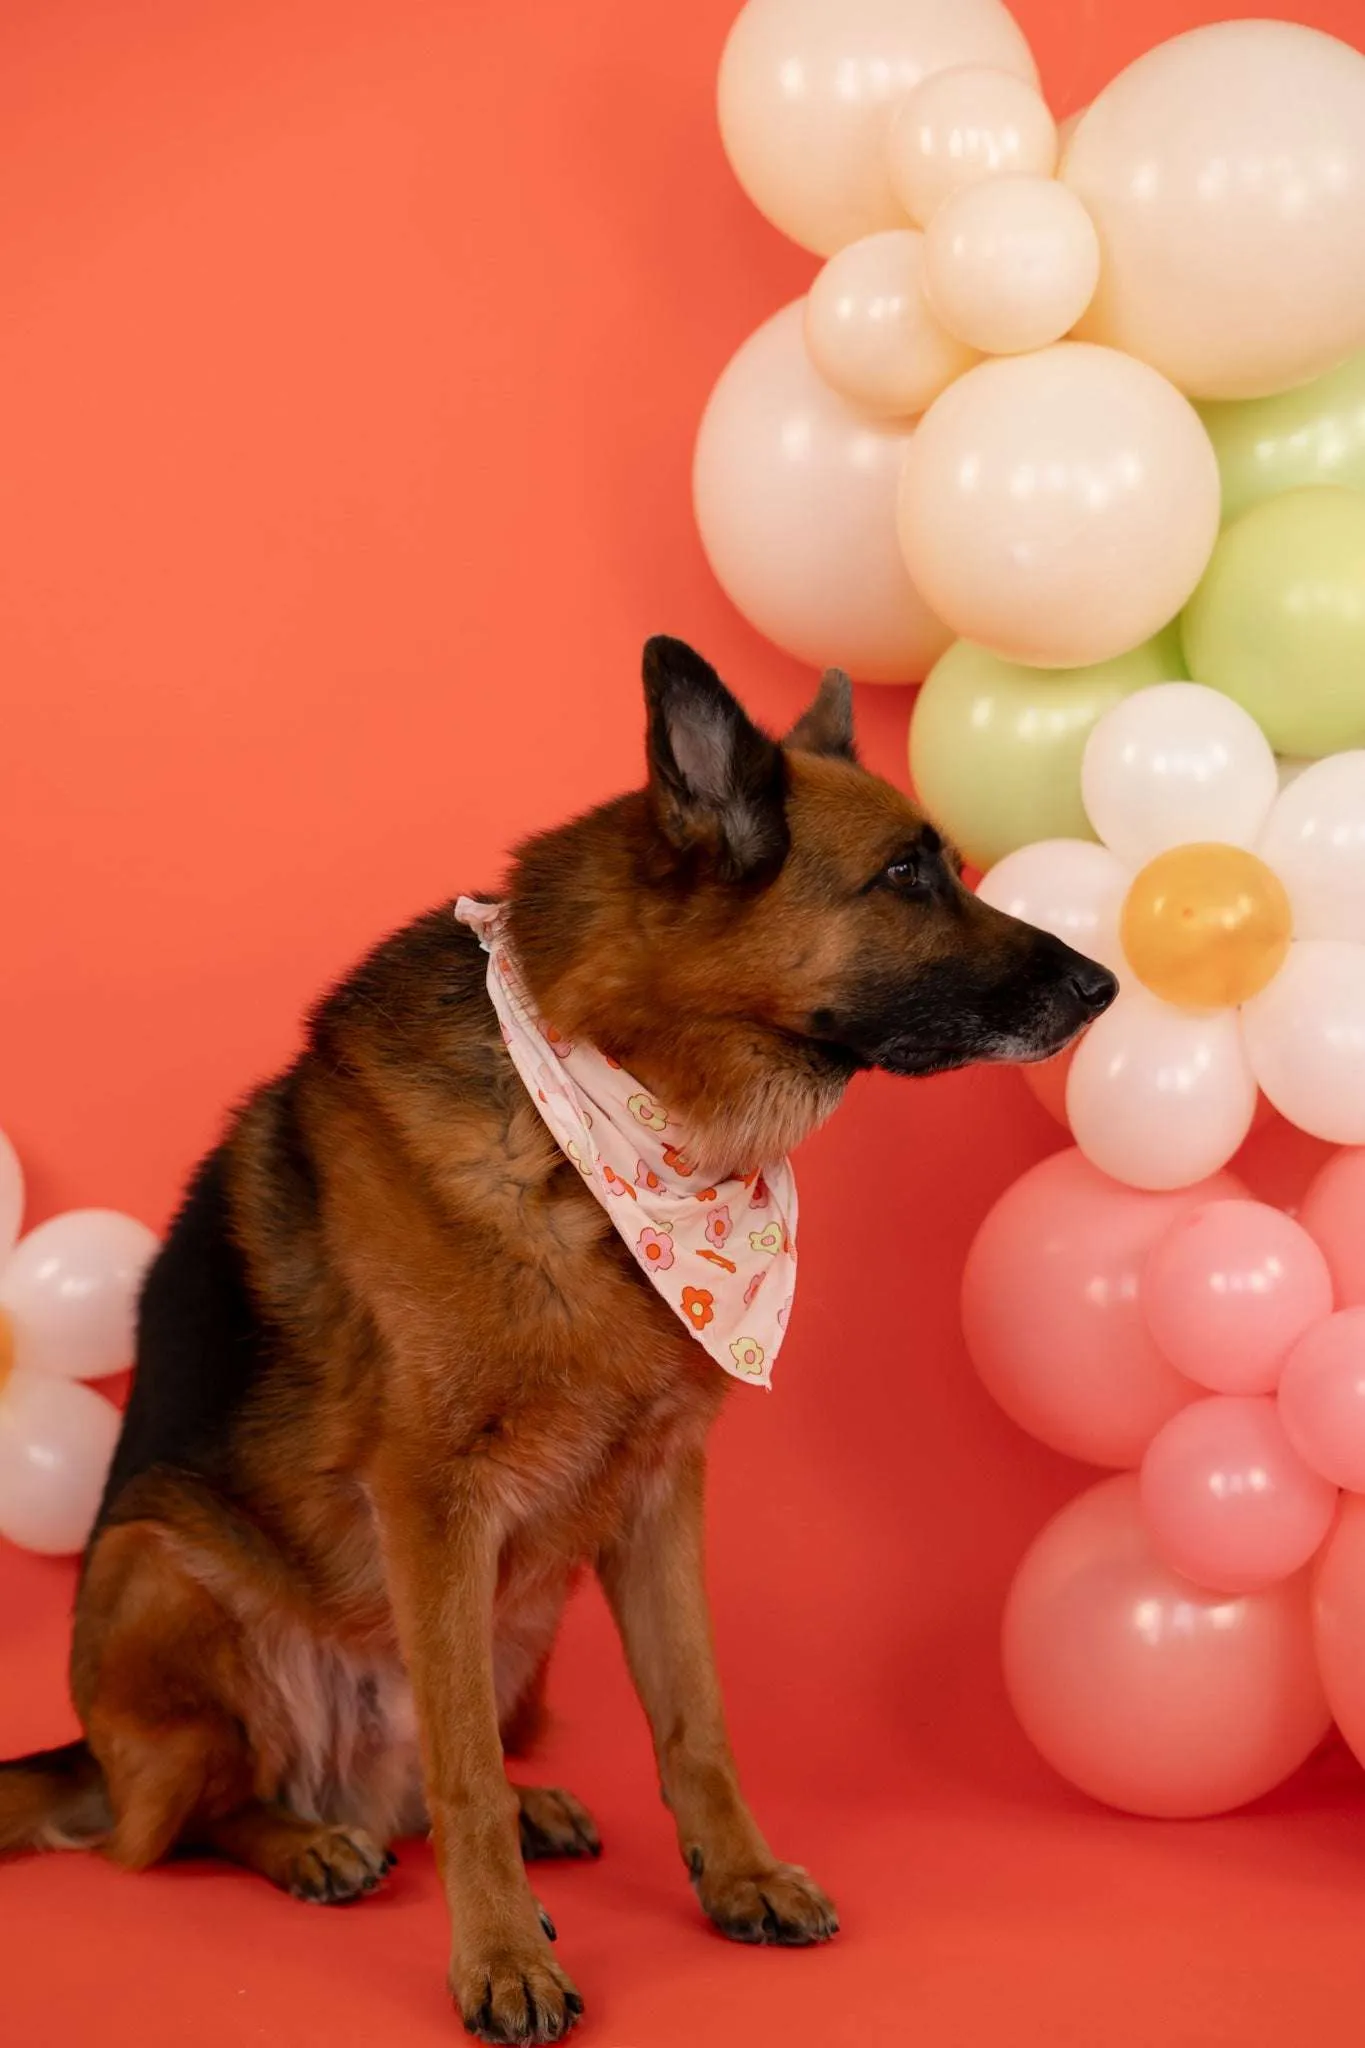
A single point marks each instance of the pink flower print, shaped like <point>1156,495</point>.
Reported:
<point>647,1113</point>
<point>748,1357</point>
<point>751,1291</point>
<point>615,1184</point>
<point>782,1315</point>
<point>561,1047</point>
<point>646,1177</point>
<point>770,1239</point>
<point>656,1248</point>
<point>718,1226</point>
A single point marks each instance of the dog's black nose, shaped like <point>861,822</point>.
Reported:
<point>1093,986</point>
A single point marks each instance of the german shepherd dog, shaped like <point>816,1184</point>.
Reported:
<point>398,1378</point>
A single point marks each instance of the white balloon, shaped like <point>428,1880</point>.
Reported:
<point>70,1290</point>
<point>1315,842</point>
<point>795,497</point>
<point>1305,1034</point>
<point>961,126</point>
<point>56,1442</point>
<point>806,89</point>
<point>871,332</point>
<point>1160,1097</point>
<point>1069,887</point>
<point>1177,765</point>
<point>11,1195</point>
<point>1011,264</point>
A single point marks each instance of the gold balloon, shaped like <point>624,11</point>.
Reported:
<point>1206,927</point>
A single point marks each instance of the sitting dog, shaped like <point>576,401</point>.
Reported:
<point>449,1313</point>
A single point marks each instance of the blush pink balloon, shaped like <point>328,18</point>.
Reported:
<point>1339,1622</point>
<point>1226,1498</point>
<point>1333,1212</point>
<point>1229,1290</point>
<point>57,1438</point>
<point>1322,1398</point>
<point>1279,1162</point>
<point>1148,1692</point>
<point>1051,1312</point>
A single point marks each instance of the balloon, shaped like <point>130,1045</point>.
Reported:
<point>71,1292</point>
<point>1225,171</point>
<point>1227,1499</point>
<point>1176,764</point>
<point>11,1196</point>
<point>1279,620</point>
<point>1059,507</point>
<point>1069,887</point>
<point>870,331</point>
<point>1066,128</point>
<point>1305,1035</point>
<point>1279,1161</point>
<point>995,748</point>
<point>1011,264</point>
<point>806,91</point>
<point>1312,435</point>
<point>1333,1214</point>
<point>962,126</point>
<point>1228,1291</point>
<point>1206,925</point>
<point>56,1442</point>
<point>1339,1623</point>
<point>1051,1313</point>
<point>1322,1398</point>
<point>1159,1098</point>
<point>1315,841</point>
<point>1046,1083</point>
<point>795,498</point>
<point>1148,1692</point>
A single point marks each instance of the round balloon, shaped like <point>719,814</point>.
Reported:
<point>795,497</point>
<point>1011,264</point>
<point>71,1289</point>
<point>1314,839</point>
<point>870,330</point>
<point>1206,926</point>
<point>1333,1214</point>
<point>995,748</point>
<point>1314,434</point>
<point>56,1442</point>
<point>1174,765</point>
<point>1229,1290</point>
<point>806,92</point>
<point>1306,1038</point>
<point>1146,1691</point>
<point>962,126</point>
<point>1278,622</point>
<point>1059,507</point>
<point>1069,887</point>
<point>1225,171</point>
<point>1051,1310</point>
<point>1339,1623</point>
<point>1322,1398</point>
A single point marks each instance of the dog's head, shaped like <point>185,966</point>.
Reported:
<point>768,916</point>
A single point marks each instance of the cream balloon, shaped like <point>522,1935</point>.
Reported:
<point>1011,265</point>
<point>1069,887</point>
<point>1305,1034</point>
<point>961,126</point>
<point>1066,128</point>
<point>56,1442</point>
<point>1176,765</point>
<point>795,496</point>
<point>70,1291</point>
<point>1225,171</point>
<point>870,331</point>
<point>806,89</point>
<point>11,1196</point>
<point>1059,507</point>
<point>1315,842</point>
<point>1157,1097</point>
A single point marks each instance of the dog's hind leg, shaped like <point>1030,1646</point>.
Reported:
<point>326,1865</point>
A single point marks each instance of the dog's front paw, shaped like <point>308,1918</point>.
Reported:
<point>781,1906</point>
<point>516,1995</point>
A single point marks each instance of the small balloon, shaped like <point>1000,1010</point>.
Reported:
<point>1314,434</point>
<point>1229,1290</point>
<point>871,332</point>
<point>1175,764</point>
<point>1011,265</point>
<point>1146,1691</point>
<point>1333,1214</point>
<point>1305,1035</point>
<point>962,126</point>
<point>57,1439</point>
<point>1206,926</point>
<point>71,1290</point>
<point>1322,1398</point>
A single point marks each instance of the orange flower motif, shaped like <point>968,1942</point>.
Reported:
<point>705,1195</point>
<point>718,1225</point>
<point>646,1177</point>
<point>699,1306</point>
<point>677,1161</point>
<point>615,1184</point>
<point>560,1046</point>
<point>728,1265</point>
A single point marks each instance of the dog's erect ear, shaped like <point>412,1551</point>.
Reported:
<point>827,727</point>
<point>718,784</point>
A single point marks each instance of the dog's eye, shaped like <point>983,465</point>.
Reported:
<point>909,875</point>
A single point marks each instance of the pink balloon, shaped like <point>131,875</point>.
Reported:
<point>1333,1212</point>
<point>56,1440</point>
<point>1229,1290</point>
<point>1339,1622</point>
<point>1322,1398</point>
<point>1279,1161</point>
<point>1145,1691</point>
<point>1227,1499</point>
<point>1051,1312</point>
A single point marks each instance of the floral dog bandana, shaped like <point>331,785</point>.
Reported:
<point>722,1254</point>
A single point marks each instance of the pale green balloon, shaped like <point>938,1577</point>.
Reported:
<point>995,748</point>
<point>1278,622</point>
<point>1315,435</point>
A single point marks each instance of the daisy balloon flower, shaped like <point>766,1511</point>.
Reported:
<point>1228,895</point>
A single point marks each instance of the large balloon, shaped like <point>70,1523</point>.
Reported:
<point>1315,842</point>
<point>995,748</point>
<point>871,332</point>
<point>1279,620</point>
<point>806,91</point>
<point>1059,507</point>
<point>56,1442</point>
<point>795,496</point>
<point>1225,171</point>
<point>71,1288</point>
<point>1228,1292</point>
<point>1146,1691</point>
<point>1339,1623</point>
<point>962,126</point>
<point>1174,766</point>
<point>1051,1310</point>
<point>1322,1398</point>
<point>1011,264</point>
<point>1314,434</point>
<point>1333,1214</point>
<point>1306,1038</point>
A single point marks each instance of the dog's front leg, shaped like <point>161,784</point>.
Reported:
<point>653,1576</point>
<point>441,1552</point>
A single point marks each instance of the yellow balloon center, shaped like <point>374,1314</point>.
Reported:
<point>1206,927</point>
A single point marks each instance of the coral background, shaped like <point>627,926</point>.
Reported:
<point>350,356</point>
